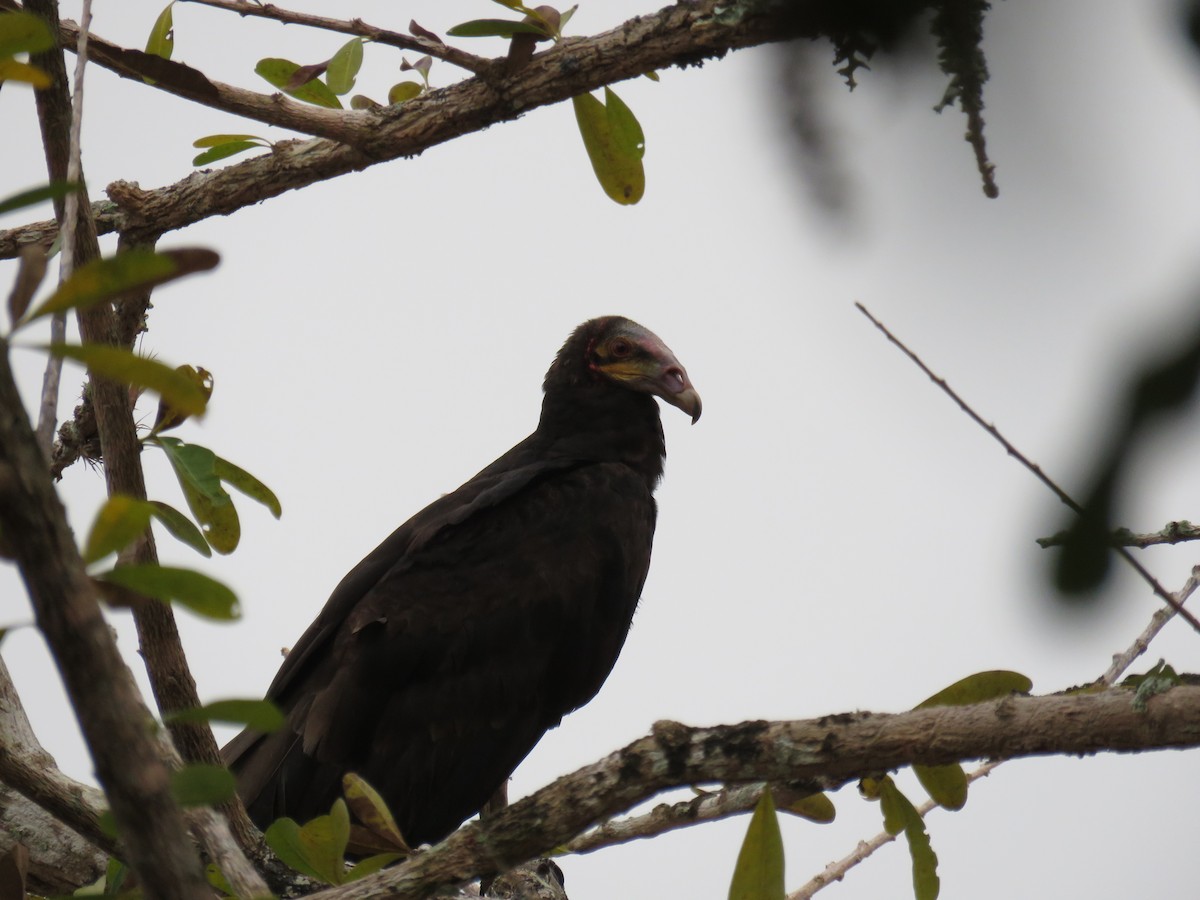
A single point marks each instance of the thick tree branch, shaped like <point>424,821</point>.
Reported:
<point>832,749</point>
<point>117,727</point>
<point>681,35</point>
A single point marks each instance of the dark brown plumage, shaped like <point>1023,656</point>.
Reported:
<point>441,659</point>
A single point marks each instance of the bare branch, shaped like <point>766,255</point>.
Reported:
<point>1122,661</point>
<point>436,49</point>
<point>1174,533</point>
<point>1045,479</point>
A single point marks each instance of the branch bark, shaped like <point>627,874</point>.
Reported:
<point>833,749</point>
<point>681,35</point>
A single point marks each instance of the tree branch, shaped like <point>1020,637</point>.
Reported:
<point>835,749</point>
<point>680,35</point>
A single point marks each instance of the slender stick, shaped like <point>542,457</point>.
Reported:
<point>436,49</point>
<point>1045,479</point>
<point>48,409</point>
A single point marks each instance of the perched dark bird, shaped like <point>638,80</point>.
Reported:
<point>442,658</point>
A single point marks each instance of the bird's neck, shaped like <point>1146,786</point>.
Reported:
<point>605,424</point>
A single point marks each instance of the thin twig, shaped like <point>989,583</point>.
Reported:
<point>1174,533</point>
<point>1161,617</point>
<point>1045,479</point>
<point>436,49</point>
<point>48,408</point>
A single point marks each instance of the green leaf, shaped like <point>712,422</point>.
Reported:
<point>758,874</point>
<point>980,687</point>
<point>626,129</point>
<point>947,785</point>
<point>815,807</point>
<point>619,172</point>
<point>900,815</point>
<point>195,469</point>
<point>243,481</point>
<point>217,879</point>
<point>566,17</point>
<point>495,28</point>
<point>162,36</point>
<point>180,527</point>
<point>127,367</point>
<point>51,191</point>
<point>107,823</point>
<point>318,848</point>
<point>361,101</point>
<point>279,72</point>
<point>23,32</point>
<point>261,715</point>
<point>215,140</point>
<point>120,520</point>
<point>405,90</point>
<point>371,810</point>
<point>344,66</point>
<point>200,784</point>
<point>223,151</point>
<point>283,837</point>
<point>1160,679</point>
<point>371,865</point>
<point>202,595</point>
<point>104,279</point>
<point>15,70</point>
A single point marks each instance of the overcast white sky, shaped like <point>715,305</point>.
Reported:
<point>834,534</point>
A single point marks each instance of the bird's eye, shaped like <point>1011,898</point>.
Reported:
<point>620,348</point>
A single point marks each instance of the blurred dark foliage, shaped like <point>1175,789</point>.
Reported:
<point>1158,392</point>
<point>908,32</point>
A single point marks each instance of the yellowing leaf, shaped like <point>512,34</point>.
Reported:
<point>618,166</point>
<point>947,785</point>
<point>118,523</point>
<point>758,874</point>
<point>815,807</point>
<point>126,367</point>
<point>213,140</point>
<point>105,279</point>
<point>195,470</point>
<point>980,687</point>
<point>405,90</point>
<point>180,527</point>
<point>162,36</point>
<point>371,810</point>
<point>15,70</point>
<point>280,72</point>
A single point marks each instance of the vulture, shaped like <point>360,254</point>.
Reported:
<point>441,659</point>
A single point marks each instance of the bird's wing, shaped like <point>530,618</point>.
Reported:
<point>443,657</point>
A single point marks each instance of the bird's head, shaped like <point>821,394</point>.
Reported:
<point>633,357</point>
